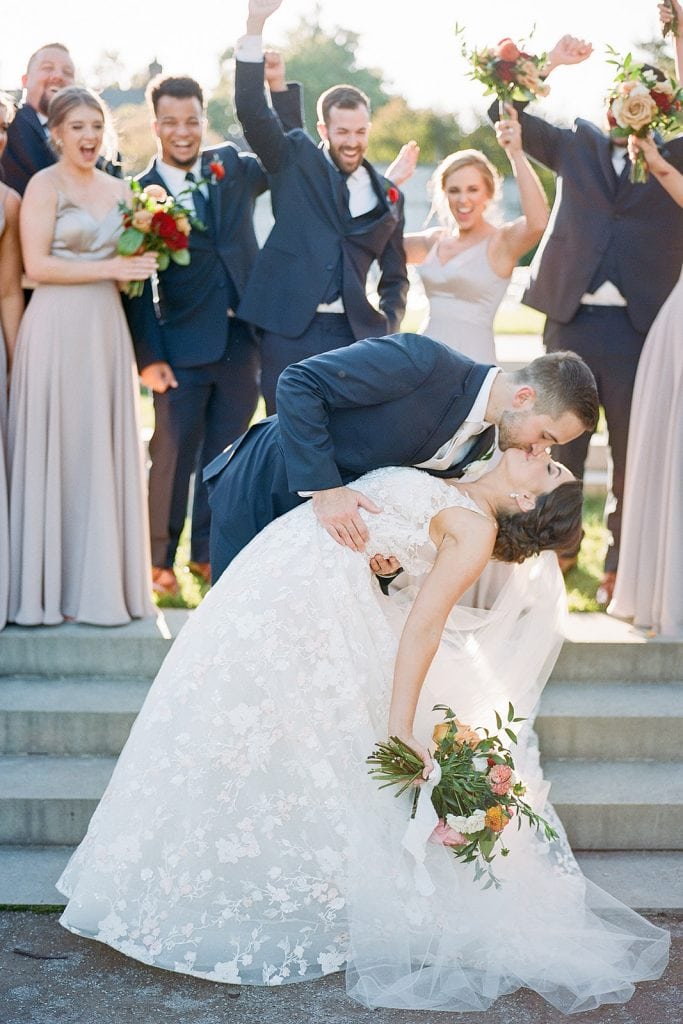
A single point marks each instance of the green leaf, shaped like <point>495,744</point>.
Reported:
<point>511,712</point>
<point>499,720</point>
<point>511,735</point>
<point>162,261</point>
<point>129,242</point>
<point>181,257</point>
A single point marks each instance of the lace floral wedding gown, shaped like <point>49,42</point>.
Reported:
<point>241,839</point>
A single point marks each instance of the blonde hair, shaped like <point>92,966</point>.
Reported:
<point>455,162</point>
<point>72,96</point>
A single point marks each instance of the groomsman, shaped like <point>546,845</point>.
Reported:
<point>601,272</point>
<point>334,216</point>
<point>28,149</point>
<point>198,358</point>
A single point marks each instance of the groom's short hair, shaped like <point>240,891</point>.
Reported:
<point>179,87</point>
<point>348,97</point>
<point>563,383</point>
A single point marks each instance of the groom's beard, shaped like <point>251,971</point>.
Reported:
<point>509,431</point>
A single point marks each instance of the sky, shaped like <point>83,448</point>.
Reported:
<point>411,41</point>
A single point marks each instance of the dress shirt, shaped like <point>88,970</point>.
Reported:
<point>455,450</point>
<point>176,183</point>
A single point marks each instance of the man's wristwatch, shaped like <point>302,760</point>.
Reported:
<point>385,581</point>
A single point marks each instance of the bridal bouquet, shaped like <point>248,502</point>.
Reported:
<point>507,70</point>
<point>153,221</point>
<point>478,792</point>
<point>642,101</point>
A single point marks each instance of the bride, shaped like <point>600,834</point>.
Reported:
<point>241,838</point>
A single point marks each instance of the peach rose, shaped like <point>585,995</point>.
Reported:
<point>500,779</point>
<point>507,50</point>
<point>466,735</point>
<point>183,224</point>
<point>634,110</point>
<point>156,192</point>
<point>440,731</point>
<point>444,835</point>
<point>142,220</point>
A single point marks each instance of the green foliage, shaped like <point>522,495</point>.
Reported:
<point>396,122</point>
<point>320,59</point>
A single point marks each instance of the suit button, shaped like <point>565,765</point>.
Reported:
<point>341,374</point>
<point>329,267</point>
<point>221,284</point>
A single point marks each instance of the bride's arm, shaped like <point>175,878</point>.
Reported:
<point>463,552</point>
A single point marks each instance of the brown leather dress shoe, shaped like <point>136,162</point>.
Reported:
<point>164,581</point>
<point>202,569</point>
<point>603,595</point>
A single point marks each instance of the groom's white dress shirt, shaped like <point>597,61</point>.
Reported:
<point>456,449</point>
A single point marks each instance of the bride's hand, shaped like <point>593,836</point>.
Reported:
<point>405,736</point>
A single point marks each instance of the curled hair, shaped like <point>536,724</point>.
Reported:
<point>348,97</point>
<point>72,96</point>
<point>7,104</point>
<point>554,524</point>
<point>454,162</point>
<point>178,87</point>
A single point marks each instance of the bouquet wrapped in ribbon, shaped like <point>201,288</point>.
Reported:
<point>507,70</point>
<point>670,23</point>
<point>474,790</point>
<point>153,221</point>
<point>643,100</point>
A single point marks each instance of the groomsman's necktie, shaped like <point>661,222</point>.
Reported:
<point>201,206</point>
<point>345,194</point>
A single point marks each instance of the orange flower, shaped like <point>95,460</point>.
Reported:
<point>466,735</point>
<point>497,818</point>
<point>440,731</point>
<point>183,224</point>
<point>142,220</point>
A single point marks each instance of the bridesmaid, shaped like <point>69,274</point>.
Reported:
<point>466,264</point>
<point>11,308</point>
<point>78,524</point>
<point>649,584</point>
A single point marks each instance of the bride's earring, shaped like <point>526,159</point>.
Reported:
<point>514,494</point>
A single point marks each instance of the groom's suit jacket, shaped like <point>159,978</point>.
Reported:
<point>312,232</point>
<point>391,401</point>
<point>190,326</point>
<point>601,225</point>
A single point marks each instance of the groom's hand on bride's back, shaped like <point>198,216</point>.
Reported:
<point>337,510</point>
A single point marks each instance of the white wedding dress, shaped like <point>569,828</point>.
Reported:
<point>241,839</point>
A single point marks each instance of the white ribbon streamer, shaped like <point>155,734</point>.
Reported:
<point>420,828</point>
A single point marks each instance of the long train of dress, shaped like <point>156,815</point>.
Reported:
<point>241,839</point>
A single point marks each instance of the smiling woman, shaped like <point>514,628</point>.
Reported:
<point>78,535</point>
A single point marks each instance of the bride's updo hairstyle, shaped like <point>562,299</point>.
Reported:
<point>554,524</point>
<point>454,162</point>
<point>72,96</point>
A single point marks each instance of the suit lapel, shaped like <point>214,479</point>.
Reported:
<point>606,165</point>
<point>214,194</point>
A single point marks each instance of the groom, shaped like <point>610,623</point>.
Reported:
<point>401,400</point>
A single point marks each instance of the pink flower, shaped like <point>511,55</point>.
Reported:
<point>500,779</point>
<point>444,835</point>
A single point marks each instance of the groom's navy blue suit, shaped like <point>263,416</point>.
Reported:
<point>214,355</point>
<point>391,401</point>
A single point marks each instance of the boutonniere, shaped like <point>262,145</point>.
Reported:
<point>392,193</point>
<point>217,169</point>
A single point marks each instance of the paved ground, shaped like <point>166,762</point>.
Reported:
<point>86,983</point>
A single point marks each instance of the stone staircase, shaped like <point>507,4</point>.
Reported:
<point>609,726</point>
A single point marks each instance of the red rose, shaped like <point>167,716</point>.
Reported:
<point>505,69</point>
<point>217,169</point>
<point>393,194</point>
<point>611,119</point>
<point>490,762</point>
<point>662,100</point>
<point>177,241</point>
<point>507,50</point>
<point>163,225</point>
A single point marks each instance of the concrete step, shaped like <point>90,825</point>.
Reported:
<point>618,805</point>
<point>606,805</point>
<point>50,800</point>
<point>68,716</point>
<point>597,647</point>
<point>611,721</point>
<point>644,880</point>
<point>619,721</point>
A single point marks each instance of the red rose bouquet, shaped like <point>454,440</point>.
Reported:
<point>507,70</point>
<point>477,792</point>
<point>643,100</point>
<point>153,221</point>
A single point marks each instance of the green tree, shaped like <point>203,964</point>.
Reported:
<point>320,59</point>
<point>396,122</point>
<point>220,109</point>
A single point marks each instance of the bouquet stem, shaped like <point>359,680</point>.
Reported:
<point>639,173</point>
<point>133,289</point>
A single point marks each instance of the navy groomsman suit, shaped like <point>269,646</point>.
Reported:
<point>213,354</point>
<point>391,401</point>
<point>316,251</point>
<point>602,229</point>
